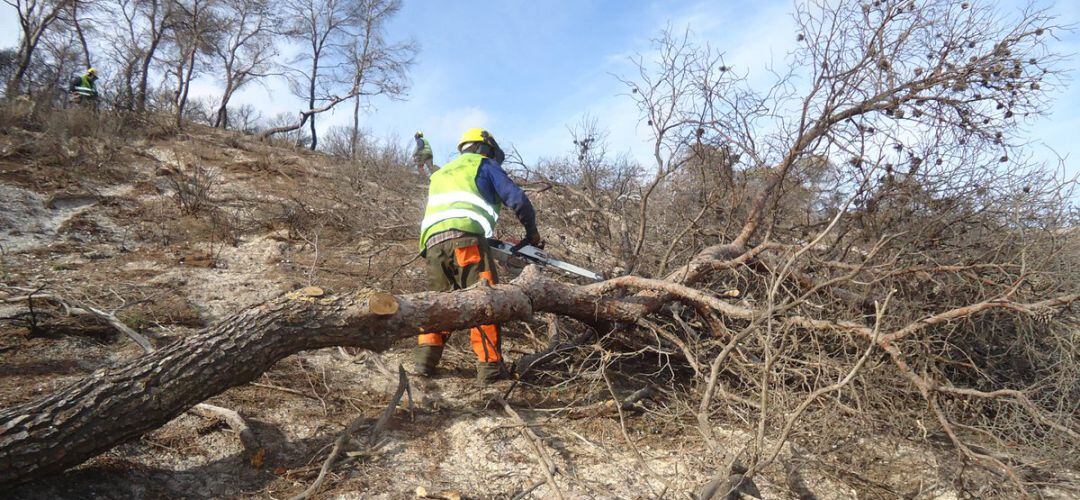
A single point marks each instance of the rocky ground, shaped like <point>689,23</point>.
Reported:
<point>107,224</point>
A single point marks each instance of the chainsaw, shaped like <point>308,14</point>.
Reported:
<point>533,255</point>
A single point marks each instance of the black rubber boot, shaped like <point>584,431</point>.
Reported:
<point>425,359</point>
<point>487,373</point>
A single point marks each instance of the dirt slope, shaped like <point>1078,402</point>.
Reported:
<point>122,224</point>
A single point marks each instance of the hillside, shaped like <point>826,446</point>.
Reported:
<point>172,231</point>
<point>100,221</point>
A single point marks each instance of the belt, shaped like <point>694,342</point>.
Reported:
<point>447,235</point>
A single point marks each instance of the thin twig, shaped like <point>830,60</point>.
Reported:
<point>339,443</point>
<point>547,465</point>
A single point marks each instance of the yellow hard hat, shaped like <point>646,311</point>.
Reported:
<point>487,148</point>
<point>91,71</point>
<point>473,135</point>
<point>419,133</point>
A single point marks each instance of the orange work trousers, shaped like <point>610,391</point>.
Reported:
<point>456,264</point>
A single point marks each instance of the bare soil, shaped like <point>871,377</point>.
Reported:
<point>104,225</point>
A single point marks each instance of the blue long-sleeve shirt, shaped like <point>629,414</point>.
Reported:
<point>496,187</point>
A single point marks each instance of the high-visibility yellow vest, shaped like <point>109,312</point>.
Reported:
<point>454,201</point>
<point>85,87</point>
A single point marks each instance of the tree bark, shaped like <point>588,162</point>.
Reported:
<point>187,70</point>
<point>31,35</point>
<point>311,97</point>
<point>117,404</point>
<point>222,120</point>
<point>156,33</point>
<point>355,133</point>
<point>187,63</point>
<point>82,36</point>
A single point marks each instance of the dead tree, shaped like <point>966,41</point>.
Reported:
<point>133,46</point>
<point>378,67</point>
<point>882,173</point>
<point>898,154</point>
<point>192,38</point>
<point>35,19</point>
<point>77,23</point>
<point>158,18</point>
<point>117,404</point>
<point>248,49</point>
<point>323,27</point>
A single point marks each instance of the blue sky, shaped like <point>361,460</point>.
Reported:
<point>529,69</point>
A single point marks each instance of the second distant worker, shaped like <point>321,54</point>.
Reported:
<point>422,156</point>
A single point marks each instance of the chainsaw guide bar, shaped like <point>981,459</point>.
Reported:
<point>537,256</point>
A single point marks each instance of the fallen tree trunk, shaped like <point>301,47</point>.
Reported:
<point>119,403</point>
<point>116,404</point>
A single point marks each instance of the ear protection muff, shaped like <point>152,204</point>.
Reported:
<point>491,149</point>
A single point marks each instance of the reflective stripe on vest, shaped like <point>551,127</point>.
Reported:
<point>465,197</point>
<point>85,87</point>
<point>456,213</point>
<point>454,201</point>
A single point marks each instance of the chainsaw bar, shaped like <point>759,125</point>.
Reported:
<point>537,256</point>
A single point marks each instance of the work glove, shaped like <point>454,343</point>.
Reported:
<point>533,238</point>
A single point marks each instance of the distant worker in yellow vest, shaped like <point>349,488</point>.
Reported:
<point>463,204</point>
<point>83,88</point>
<point>422,157</point>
